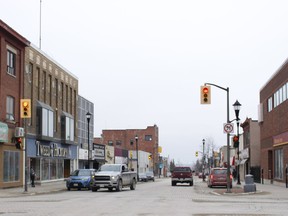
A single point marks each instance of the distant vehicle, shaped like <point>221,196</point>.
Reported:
<point>80,178</point>
<point>143,177</point>
<point>218,177</point>
<point>182,175</point>
<point>150,176</point>
<point>114,176</point>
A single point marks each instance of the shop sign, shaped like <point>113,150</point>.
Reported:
<point>99,152</point>
<point>51,150</point>
<point>280,139</point>
<point>3,132</point>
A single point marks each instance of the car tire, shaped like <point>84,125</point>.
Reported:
<point>133,185</point>
<point>110,189</point>
<point>94,189</point>
<point>119,185</point>
<point>191,183</point>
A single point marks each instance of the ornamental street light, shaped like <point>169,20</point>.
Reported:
<point>88,117</point>
<point>136,139</point>
<point>237,107</point>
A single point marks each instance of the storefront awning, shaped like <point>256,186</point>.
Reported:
<point>3,132</point>
<point>100,160</point>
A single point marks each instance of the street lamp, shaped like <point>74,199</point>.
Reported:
<point>136,139</point>
<point>237,107</point>
<point>203,165</point>
<point>88,117</point>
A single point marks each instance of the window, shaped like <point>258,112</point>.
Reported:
<point>148,137</point>
<point>11,57</point>
<point>278,163</point>
<point>69,128</point>
<point>110,143</point>
<point>47,122</point>
<point>11,166</point>
<point>10,104</point>
<point>118,142</point>
<point>270,104</point>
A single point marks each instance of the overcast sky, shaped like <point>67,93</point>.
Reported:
<point>142,62</point>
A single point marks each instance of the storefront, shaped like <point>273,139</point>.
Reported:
<point>11,171</point>
<point>50,160</point>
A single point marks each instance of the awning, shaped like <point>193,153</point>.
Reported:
<point>3,132</point>
<point>243,161</point>
<point>100,160</point>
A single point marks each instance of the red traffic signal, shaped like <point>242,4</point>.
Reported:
<point>18,143</point>
<point>235,141</point>
<point>150,157</point>
<point>205,94</point>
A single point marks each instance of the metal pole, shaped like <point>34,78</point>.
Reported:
<point>228,147</point>
<point>88,146</point>
<point>203,163</point>
<point>25,159</point>
<point>238,165</point>
<point>137,158</point>
<point>228,136</point>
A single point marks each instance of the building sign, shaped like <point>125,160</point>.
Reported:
<point>99,152</point>
<point>51,150</point>
<point>3,132</point>
<point>280,139</point>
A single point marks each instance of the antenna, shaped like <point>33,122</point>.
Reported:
<point>40,24</point>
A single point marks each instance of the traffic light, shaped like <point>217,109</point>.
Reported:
<point>25,108</point>
<point>150,157</point>
<point>235,141</point>
<point>196,153</point>
<point>18,143</point>
<point>205,95</point>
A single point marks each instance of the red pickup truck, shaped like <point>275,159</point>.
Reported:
<point>182,175</point>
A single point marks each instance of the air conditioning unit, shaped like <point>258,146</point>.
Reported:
<point>19,132</point>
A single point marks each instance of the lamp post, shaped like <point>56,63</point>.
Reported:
<point>88,117</point>
<point>136,139</point>
<point>203,163</point>
<point>237,107</point>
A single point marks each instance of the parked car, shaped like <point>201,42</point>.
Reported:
<point>150,176</point>
<point>80,178</point>
<point>182,175</point>
<point>218,177</point>
<point>143,177</point>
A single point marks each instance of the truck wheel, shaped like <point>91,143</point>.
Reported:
<point>94,189</point>
<point>191,183</point>
<point>173,183</point>
<point>133,185</point>
<point>119,185</point>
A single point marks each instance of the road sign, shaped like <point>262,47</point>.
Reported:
<point>228,128</point>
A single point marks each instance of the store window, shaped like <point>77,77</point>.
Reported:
<point>47,122</point>
<point>69,129</point>
<point>11,166</point>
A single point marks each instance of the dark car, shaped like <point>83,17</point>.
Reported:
<point>150,176</point>
<point>218,177</point>
<point>143,177</point>
<point>80,178</point>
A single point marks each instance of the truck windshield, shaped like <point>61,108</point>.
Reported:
<point>109,168</point>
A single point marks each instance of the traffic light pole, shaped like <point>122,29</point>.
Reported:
<point>25,158</point>
<point>228,136</point>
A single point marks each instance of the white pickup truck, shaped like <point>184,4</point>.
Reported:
<point>114,176</point>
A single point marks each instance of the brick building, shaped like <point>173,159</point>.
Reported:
<point>273,119</point>
<point>12,52</point>
<point>148,141</point>
<point>51,135</point>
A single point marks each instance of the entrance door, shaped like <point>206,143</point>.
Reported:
<point>66,168</point>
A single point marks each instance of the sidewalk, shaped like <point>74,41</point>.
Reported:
<point>49,187</point>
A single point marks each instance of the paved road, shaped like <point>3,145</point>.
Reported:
<point>149,199</point>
